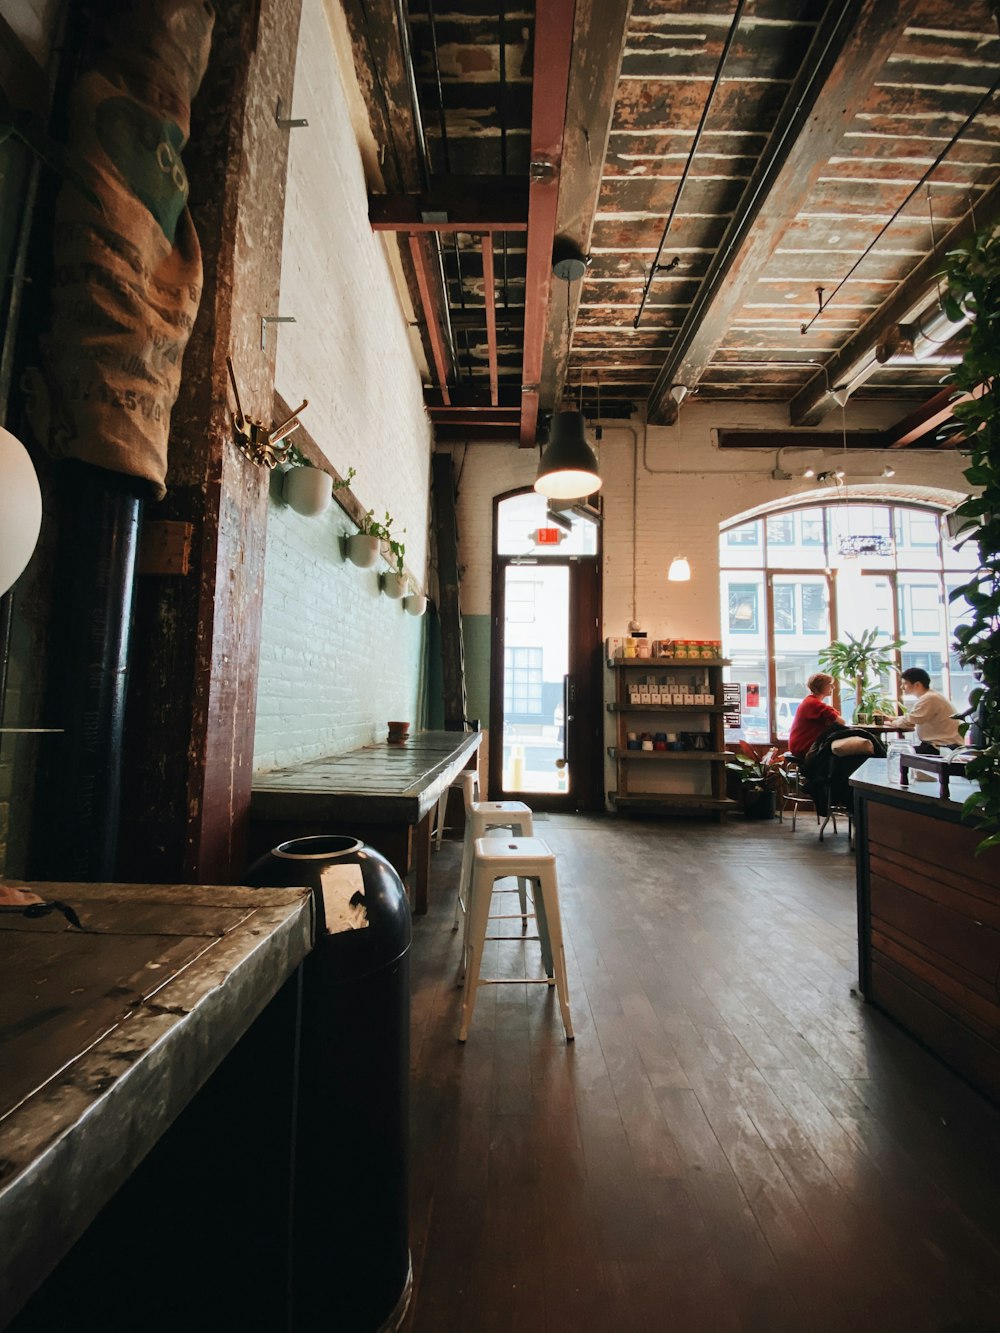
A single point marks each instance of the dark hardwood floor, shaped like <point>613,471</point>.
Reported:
<point>733,1142</point>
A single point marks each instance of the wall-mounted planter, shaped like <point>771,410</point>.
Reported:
<point>362,550</point>
<point>415,604</point>
<point>394,585</point>
<point>308,490</point>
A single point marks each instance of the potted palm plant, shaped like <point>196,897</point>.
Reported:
<point>860,664</point>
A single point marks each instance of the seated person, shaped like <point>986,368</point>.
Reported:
<point>932,715</point>
<point>813,717</point>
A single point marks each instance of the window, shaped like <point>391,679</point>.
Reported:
<point>796,555</point>
<point>742,608</point>
<point>747,534</point>
<point>521,602</point>
<point>522,682</point>
<point>784,609</point>
<point>781,530</point>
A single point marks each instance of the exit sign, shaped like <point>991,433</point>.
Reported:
<point>548,536</point>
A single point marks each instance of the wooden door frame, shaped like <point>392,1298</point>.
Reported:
<point>587,787</point>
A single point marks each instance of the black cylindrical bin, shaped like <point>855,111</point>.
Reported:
<point>350,1266</point>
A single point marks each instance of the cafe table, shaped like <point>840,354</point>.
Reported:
<point>384,794</point>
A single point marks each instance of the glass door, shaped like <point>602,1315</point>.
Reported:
<point>546,721</point>
<point>800,619</point>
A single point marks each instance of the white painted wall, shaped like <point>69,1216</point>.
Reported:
<point>337,658</point>
<point>694,486</point>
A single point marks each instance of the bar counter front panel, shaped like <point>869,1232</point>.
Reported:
<point>929,921</point>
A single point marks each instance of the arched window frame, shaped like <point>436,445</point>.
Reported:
<point>768,576</point>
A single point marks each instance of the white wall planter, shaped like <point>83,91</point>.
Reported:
<point>308,490</point>
<point>362,550</point>
<point>415,604</point>
<point>394,585</point>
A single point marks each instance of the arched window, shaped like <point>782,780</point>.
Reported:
<point>794,579</point>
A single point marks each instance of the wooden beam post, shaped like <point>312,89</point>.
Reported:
<point>449,606</point>
<point>489,293</point>
<point>192,701</point>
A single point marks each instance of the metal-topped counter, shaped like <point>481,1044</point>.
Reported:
<point>108,1032</point>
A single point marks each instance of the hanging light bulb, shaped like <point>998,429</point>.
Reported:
<point>680,570</point>
<point>568,467</point>
<point>888,471</point>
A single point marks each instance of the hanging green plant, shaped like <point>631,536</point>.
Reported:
<point>973,277</point>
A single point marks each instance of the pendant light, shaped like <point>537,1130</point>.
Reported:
<point>680,570</point>
<point>568,466</point>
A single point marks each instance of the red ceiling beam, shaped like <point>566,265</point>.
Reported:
<point>550,81</point>
<point>927,418</point>
<point>434,330</point>
<point>489,291</point>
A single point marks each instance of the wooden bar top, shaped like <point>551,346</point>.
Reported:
<point>107,1032</point>
<point>378,783</point>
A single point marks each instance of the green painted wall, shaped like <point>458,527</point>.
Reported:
<point>476,636</point>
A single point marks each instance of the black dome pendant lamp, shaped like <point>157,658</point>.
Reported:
<point>568,466</point>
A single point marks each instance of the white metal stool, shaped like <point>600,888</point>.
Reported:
<point>480,818</point>
<point>468,782</point>
<point>529,859</point>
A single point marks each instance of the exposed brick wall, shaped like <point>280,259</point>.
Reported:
<point>337,658</point>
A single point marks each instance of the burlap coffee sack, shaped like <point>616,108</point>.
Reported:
<point>128,277</point>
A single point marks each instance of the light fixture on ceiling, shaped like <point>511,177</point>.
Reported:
<point>567,469</point>
<point>679,571</point>
<point>809,471</point>
<point>888,470</point>
<point>20,509</point>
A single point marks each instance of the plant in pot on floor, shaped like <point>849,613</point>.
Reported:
<point>760,779</point>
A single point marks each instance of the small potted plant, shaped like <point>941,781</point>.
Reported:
<point>759,780</point>
<point>364,546</point>
<point>309,489</point>
<point>395,584</point>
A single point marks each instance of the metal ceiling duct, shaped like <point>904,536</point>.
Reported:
<point>920,342</point>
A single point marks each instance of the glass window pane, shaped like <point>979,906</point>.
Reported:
<point>795,652</point>
<point>743,547</point>
<point>784,609</point>
<point>781,530</point>
<point>744,608</point>
<point>918,539</point>
<point>536,654</point>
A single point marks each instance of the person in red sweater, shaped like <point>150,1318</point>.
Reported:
<point>813,717</point>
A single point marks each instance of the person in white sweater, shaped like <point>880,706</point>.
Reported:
<point>932,716</point>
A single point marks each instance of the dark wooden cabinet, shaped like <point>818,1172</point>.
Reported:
<point>929,928</point>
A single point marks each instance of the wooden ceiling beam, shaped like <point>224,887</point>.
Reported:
<point>435,330</point>
<point>598,47</point>
<point>489,292</point>
<point>856,360</point>
<point>553,48</point>
<point>850,47</point>
<point>453,204</point>
<point>915,428</point>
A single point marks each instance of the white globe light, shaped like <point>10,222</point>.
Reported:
<point>20,509</point>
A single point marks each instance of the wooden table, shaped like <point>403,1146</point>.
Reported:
<point>383,794</point>
<point>107,1033</point>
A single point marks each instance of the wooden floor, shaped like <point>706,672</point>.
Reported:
<point>734,1141</point>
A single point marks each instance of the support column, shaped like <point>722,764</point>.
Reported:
<point>192,704</point>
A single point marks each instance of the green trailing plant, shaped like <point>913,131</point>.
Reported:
<point>860,663</point>
<point>382,529</point>
<point>296,458</point>
<point>973,291</point>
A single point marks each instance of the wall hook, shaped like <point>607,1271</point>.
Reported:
<point>273,319</point>
<point>284,122</point>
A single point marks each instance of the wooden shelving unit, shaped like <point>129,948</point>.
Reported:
<point>634,767</point>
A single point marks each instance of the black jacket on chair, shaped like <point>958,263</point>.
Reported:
<point>826,776</point>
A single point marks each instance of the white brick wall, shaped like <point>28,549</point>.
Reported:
<point>678,512</point>
<point>349,351</point>
<point>338,659</point>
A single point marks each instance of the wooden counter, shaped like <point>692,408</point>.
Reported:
<point>383,794</point>
<point>108,1033</point>
<point>929,921</point>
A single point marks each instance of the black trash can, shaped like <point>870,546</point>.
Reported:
<point>350,1263</point>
